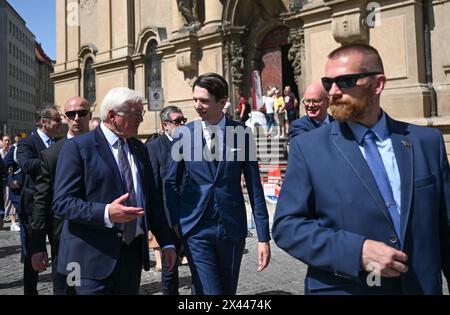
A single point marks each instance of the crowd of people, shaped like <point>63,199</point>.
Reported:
<point>364,195</point>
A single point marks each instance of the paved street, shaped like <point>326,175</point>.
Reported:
<point>283,276</point>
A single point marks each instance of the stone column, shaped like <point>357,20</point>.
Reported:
<point>61,27</point>
<point>213,14</point>
<point>104,28</point>
<point>73,37</point>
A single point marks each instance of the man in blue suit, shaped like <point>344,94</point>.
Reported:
<point>366,199</point>
<point>209,207</point>
<point>105,192</point>
<point>159,153</point>
<point>315,101</point>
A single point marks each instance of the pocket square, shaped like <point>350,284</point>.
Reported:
<point>235,149</point>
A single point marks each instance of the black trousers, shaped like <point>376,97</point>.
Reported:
<point>30,277</point>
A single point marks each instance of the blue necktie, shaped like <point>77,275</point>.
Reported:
<point>50,142</point>
<point>375,163</point>
<point>129,230</point>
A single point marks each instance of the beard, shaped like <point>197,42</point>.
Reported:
<point>351,110</point>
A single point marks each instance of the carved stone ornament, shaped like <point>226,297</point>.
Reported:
<point>296,52</point>
<point>187,61</point>
<point>236,62</point>
<point>350,28</point>
<point>87,6</point>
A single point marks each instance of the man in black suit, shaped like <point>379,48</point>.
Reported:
<point>159,152</point>
<point>77,115</point>
<point>28,157</point>
<point>315,101</point>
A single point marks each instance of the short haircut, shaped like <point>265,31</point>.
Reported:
<point>45,111</point>
<point>214,83</point>
<point>372,62</point>
<point>118,99</point>
<point>165,113</point>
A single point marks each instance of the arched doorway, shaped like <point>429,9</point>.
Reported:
<point>274,67</point>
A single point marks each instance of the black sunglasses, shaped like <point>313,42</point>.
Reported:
<point>178,121</point>
<point>73,113</point>
<point>345,81</point>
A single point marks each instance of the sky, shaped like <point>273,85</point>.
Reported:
<point>40,18</point>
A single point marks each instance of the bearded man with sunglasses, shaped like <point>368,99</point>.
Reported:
<point>380,223</point>
<point>315,101</point>
<point>77,115</point>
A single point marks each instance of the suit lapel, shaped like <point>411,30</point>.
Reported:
<point>404,155</point>
<point>343,139</point>
<point>107,156</point>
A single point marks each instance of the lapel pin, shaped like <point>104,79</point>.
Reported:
<point>407,143</point>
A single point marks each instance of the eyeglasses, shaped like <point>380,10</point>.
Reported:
<point>73,113</point>
<point>345,81</point>
<point>55,119</point>
<point>178,121</point>
<point>308,101</point>
<point>135,114</point>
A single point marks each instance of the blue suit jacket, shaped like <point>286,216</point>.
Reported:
<point>329,204</point>
<point>87,178</point>
<point>304,124</point>
<point>188,202</point>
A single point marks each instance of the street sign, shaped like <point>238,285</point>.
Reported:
<point>271,192</point>
<point>156,99</point>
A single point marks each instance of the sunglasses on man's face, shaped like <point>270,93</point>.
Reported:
<point>178,121</point>
<point>345,81</point>
<point>73,113</point>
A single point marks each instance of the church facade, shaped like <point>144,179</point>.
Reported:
<point>254,44</point>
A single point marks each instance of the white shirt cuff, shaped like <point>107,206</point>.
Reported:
<point>108,223</point>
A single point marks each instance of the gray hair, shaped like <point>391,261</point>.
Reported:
<point>165,113</point>
<point>118,99</point>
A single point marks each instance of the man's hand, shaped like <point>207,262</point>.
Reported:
<point>15,184</point>
<point>39,261</point>
<point>169,257</point>
<point>118,213</point>
<point>263,255</point>
<point>377,256</point>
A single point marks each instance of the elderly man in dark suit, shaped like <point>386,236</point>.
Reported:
<point>105,192</point>
<point>315,101</point>
<point>379,224</point>
<point>77,115</point>
<point>28,157</point>
<point>204,194</point>
<point>159,152</point>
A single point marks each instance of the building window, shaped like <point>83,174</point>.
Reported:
<point>89,81</point>
<point>152,68</point>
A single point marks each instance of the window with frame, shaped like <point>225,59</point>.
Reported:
<point>89,80</point>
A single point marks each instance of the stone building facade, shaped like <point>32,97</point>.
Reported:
<point>167,43</point>
<point>17,73</point>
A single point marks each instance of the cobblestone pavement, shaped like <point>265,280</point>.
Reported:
<point>284,275</point>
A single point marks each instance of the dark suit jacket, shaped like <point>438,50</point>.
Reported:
<point>28,157</point>
<point>159,153</point>
<point>329,204</point>
<point>187,203</point>
<point>42,220</point>
<point>304,124</point>
<point>87,179</point>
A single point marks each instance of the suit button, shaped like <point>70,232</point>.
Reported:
<point>119,234</point>
<point>393,239</point>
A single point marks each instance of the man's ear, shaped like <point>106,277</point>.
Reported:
<point>379,84</point>
<point>222,102</point>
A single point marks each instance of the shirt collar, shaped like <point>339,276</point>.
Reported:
<point>69,136</point>
<point>326,120</point>
<point>110,136</point>
<point>43,136</point>
<point>380,129</point>
<point>221,124</point>
<point>168,136</point>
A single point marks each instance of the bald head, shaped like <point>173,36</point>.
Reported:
<point>364,57</point>
<point>76,101</point>
<point>315,101</point>
<point>77,112</point>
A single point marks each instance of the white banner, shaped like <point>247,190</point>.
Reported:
<point>257,89</point>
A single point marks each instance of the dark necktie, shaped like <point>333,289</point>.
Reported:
<point>50,142</point>
<point>214,145</point>
<point>375,163</point>
<point>129,230</point>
